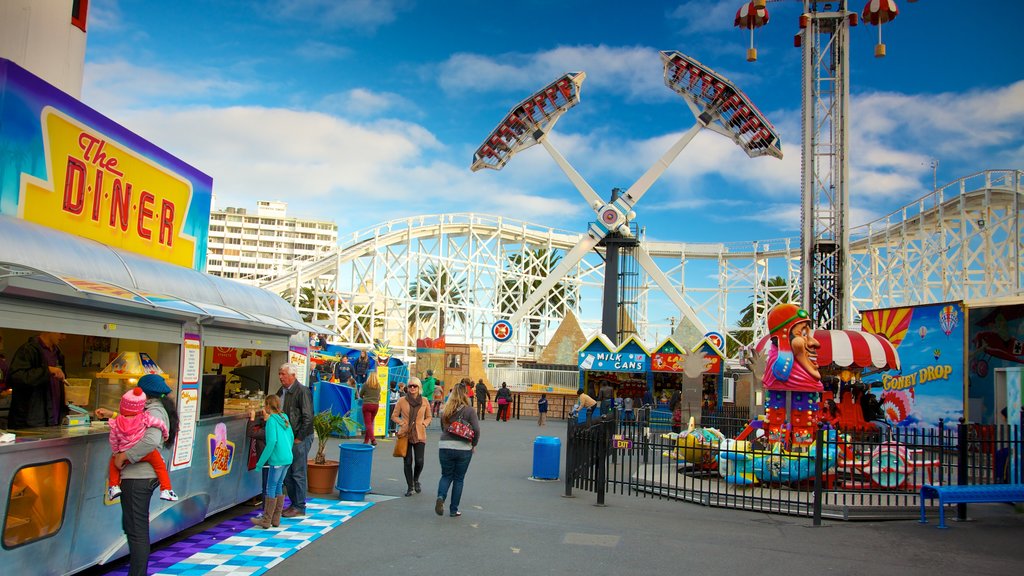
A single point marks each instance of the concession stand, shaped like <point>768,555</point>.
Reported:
<point>103,238</point>
<point>626,368</point>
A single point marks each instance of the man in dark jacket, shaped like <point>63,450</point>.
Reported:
<point>297,403</point>
<point>36,377</point>
<point>343,370</point>
<point>483,395</point>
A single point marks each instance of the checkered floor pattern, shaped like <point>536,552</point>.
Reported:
<point>236,547</point>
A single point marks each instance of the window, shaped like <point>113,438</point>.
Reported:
<point>37,503</point>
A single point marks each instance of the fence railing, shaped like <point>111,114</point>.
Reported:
<point>527,379</point>
<point>866,475</point>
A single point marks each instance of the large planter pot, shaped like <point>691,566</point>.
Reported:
<point>320,477</point>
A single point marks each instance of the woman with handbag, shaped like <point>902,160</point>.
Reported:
<point>412,415</point>
<point>460,432</point>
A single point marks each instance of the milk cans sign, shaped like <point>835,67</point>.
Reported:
<point>614,361</point>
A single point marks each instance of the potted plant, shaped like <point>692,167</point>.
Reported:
<point>321,471</point>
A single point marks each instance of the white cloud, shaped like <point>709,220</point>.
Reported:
<point>104,15</point>
<point>321,51</point>
<point>352,14</point>
<point>117,84</point>
<point>362,103</point>
<point>635,72</point>
<point>705,16</point>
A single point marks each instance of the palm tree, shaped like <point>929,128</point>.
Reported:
<point>777,292</point>
<point>436,291</point>
<point>530,268</point>
<point>307,303</point>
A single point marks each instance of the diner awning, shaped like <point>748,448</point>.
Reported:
<point>847,348</point>
<point>45,264</point>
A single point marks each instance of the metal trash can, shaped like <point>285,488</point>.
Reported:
<point>354,465</point>
<point>547,457</point>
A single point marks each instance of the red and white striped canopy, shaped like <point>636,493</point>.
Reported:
<point>877,12</point>
<point>749,16</point>
<point>855,348</point>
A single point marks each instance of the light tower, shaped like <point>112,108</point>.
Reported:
<point>824,38</point>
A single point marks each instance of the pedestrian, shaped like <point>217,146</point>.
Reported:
<point>256,432</point>
<point>628,413</point>
<point>412,414</point>
<point>459,437</point>
<point>606,397</point>
<point>297,404</point>
<point>542,410</point>
<point>585,402</point>
<point>138,479</point>
<point>278,457</point>
<point>37,378</point>
<point>394,393</point>
<point>675,406</point>
<point>361,367</point>
<point>438,400</point>
<point>483,397</point>
<point>126,430</point>
<point>504,399</point>
<point>428,383</point>
<point>343,369</point>
<point>370,395</point>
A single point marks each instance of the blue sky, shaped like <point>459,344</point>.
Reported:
<point>360,111</point>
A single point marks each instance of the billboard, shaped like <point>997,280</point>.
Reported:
<point>930,384</point>
<point>65,166</point>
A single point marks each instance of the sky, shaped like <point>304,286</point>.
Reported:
<point>361,111</point>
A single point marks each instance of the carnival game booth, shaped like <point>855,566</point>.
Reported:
<point>341,399</point>
<point>625,368</point>
<point>103,238</point>
<point>672,369</point>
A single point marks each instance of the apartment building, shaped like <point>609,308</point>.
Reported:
<point>252,247</point>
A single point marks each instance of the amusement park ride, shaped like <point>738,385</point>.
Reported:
<point>717,105</point>
<point>823,36</point>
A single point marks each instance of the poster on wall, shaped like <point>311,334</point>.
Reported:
<point>188,410</point>
<point>995,340</point>
<point>299,356</point>
<point>930,384</point>
<point>192,358</point>
<point>221,451</point>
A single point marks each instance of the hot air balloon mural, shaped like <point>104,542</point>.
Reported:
<point>750,16</point>
<point>879,13</point>
<point>922,332</point>
<point>936,353</point>
<point>948,319</point>
<point>891,323</point>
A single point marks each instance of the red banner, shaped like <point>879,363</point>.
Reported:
<point>225,356</point>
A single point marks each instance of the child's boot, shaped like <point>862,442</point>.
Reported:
<point>275,521</point>
<point>268,511</point>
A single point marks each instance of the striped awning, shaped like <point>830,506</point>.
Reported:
<point>855,348</point>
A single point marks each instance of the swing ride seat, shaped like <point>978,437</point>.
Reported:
<point>965,494</point>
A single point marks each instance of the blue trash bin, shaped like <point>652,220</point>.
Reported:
<point>547,457</point>
<point>354,465</point>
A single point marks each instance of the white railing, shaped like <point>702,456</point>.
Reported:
<point>525,379</point>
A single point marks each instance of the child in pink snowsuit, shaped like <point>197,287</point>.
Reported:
<point>126,429</point>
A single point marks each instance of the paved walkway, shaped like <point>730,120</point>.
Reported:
<point>512,525</point>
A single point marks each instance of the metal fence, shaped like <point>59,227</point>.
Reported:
<point>868,475</point>
<point>525,379</point>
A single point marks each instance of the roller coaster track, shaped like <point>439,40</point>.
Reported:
<point>962,241</point>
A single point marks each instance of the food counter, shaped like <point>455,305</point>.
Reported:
<point>53,486</point>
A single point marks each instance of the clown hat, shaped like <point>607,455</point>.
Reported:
<point>781,320</point>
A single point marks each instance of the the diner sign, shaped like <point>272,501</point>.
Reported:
<point>614,361</point>
<point>77,171</point>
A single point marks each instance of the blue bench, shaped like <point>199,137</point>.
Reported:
<point>965,494</point>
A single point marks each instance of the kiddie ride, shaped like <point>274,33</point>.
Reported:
<point>749,462</point>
